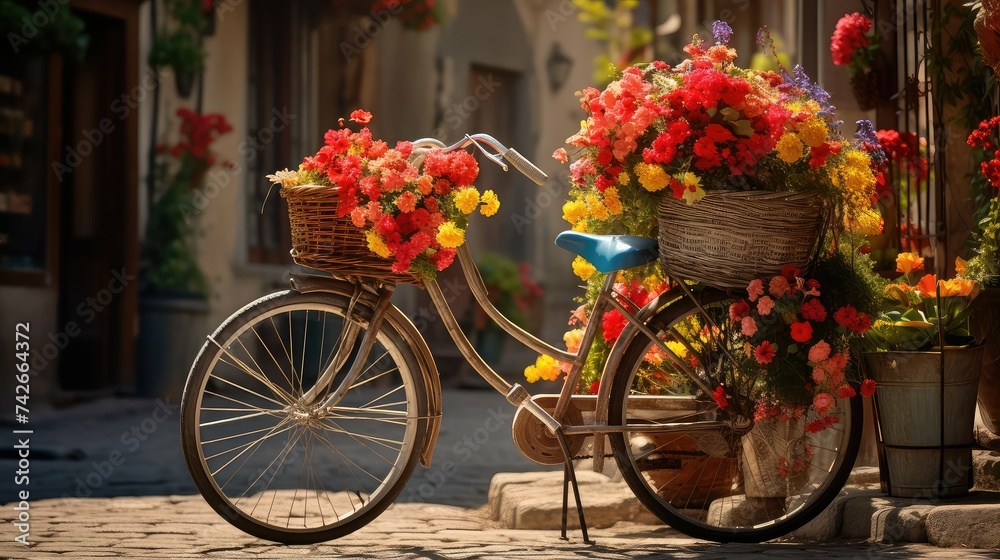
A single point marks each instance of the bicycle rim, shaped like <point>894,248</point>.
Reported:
<point>283,470</point>
<point>744,482</point>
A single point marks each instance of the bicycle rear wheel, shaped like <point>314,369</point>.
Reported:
<point>742,482</point>
<point>287,471</point>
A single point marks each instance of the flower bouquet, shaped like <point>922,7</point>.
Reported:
<point>359,207</point>
<point>855,44</point>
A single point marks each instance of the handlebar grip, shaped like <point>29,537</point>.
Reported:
<point>522,164</point>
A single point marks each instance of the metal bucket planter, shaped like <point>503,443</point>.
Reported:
<point>925,407</point>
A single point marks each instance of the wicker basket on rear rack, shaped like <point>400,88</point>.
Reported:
<point>322,241</point>
<point>728,238</point>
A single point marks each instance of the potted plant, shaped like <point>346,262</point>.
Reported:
<point>180,48</point>
<point>856,44</point>
<point>173,288</point>
<point>927,366</point>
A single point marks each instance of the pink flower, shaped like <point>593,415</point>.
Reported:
<point>845,392</point>
<point>748,326</point>
<point>560,155</point>
<point>764,353</point>
<point>822,402</point>
<point>764,305</point>
<point>755,289</point>
<point>819,375</point>
<point>361,116</point>
<point>819,352</point>
<point>779,286</point>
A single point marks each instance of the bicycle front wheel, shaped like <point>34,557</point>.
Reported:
<point>730,479</point>
<point>292,471</point>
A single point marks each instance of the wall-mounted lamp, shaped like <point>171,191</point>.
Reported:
<point>558,66</point>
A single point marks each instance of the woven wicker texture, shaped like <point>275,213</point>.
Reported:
<point>325,242</point>
<point>728,238</point>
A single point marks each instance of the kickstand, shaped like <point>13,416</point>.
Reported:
<point>569,477</point>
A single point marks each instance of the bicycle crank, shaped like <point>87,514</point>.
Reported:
<point>536,442</point>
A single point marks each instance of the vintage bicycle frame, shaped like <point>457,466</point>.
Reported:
<point>515,393</point>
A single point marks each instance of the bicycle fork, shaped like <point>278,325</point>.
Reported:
<point>348,340</point>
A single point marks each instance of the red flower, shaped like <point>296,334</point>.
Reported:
<point>850,318</point>
<point>738,310</point>
<point>868,388</point>
<point>813,310</point>
<point>613,323</point>
<point>720,397</point>
<point>790,272</point>
<point>802,332</point>
<point>594,387</point>
<point>764,353</point>
<point>822,424</point>
<point>849,36</point>
<point>846,392</point>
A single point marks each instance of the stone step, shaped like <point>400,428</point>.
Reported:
<point>534,501</point>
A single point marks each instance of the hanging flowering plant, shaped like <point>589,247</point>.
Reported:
<point>412,215</point>
<point>799,344</point>
<point>705,124</point>
<point>984,266</point>
<point>855,44</point>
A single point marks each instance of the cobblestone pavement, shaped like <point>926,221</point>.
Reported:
<point>185,527</point>
<point>146,505</point>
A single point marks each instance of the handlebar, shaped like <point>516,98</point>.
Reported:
<point>521,163</point>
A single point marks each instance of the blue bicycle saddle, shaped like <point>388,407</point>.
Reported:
<point>609,252</point>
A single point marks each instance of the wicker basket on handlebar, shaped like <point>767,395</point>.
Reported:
<point>322,241</point>
<point>728,238</point>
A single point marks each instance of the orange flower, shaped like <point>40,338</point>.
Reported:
<point>907,262</point>
<point>958,287</point>
<point>927,286</point>
<point>959,266</point>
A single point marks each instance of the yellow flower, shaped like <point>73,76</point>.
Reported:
<point>867,221</point>
<point>624,178</point>
<point>813,131</point>
<point>789,148</point>
<point>580,226</point>
<point>693,191</point>
<point>857,179</point>
<point>908,262</point>
<point>612,201</point>
<point>677,348</point>
<point>450,236</point>
<point>582,268</point>
<point>651,177</point>
<point>545,367</point>
<point>467,199</point>
<point>574,211</point>
<point>490,203</point>
<point>377,245</point>
<point>572,339</point>
<point>596,208</point>
<point>959,265</point>
<point>651,282</point>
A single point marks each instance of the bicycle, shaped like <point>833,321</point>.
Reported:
<point>306,411</point>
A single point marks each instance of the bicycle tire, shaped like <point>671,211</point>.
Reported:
<point>351,475</point>
<point>633,451</point>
